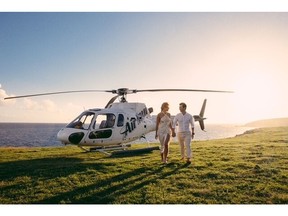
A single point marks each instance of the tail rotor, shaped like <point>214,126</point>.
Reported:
<point>201,117</point>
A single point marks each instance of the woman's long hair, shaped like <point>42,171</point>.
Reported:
<point>165,104</point>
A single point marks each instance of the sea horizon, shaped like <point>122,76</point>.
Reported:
<point>45,134</point>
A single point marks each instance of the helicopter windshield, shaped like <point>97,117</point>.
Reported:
<point>83,121</point>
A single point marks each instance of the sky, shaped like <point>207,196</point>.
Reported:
<point>244,52</point>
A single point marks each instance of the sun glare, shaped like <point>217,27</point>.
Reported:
<point>255,95</point>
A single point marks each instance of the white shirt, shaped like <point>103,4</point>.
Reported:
<point>184,121</point>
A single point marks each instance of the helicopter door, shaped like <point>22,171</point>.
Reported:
<point>102,128</point>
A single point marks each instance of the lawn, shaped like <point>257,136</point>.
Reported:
<point>247,169</point>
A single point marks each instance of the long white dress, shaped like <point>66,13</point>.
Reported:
<point>164,130</point>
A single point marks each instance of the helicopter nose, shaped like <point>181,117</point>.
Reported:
<point>63,136</point>
<point>70,136</point>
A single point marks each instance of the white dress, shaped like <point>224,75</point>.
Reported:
<point>164,130</point>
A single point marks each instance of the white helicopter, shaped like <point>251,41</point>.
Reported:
<point>116,125</point>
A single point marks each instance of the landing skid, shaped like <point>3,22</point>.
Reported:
<point>135,151</point>
<point>117,150</point>
<point>106,150</point>
<point>120,149</point>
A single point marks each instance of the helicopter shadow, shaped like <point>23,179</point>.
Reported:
<point>103,191</point>
<point>133,152</point>
<point>44,169</point>
<point>108,190</point>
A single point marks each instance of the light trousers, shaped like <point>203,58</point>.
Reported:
<point>184,139</point>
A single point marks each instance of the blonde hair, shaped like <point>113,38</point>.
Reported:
<point>165,104</point>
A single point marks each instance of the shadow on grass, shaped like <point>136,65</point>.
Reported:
<point>105,190</point>
<point>108,191</point>
<point>133,152</point>
<point>45,168</point>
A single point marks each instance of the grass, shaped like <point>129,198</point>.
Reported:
<point>247,169</point>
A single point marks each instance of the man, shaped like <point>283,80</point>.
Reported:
<point>185,135</point>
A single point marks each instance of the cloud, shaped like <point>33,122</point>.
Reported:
<point>49,106</point>
<point>3,95</point>
<point>27,103</point>
<point>43,105</point>
<point>30,104</point>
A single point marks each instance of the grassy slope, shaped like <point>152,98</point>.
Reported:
<point>277,122</point>
<point>250,168</point>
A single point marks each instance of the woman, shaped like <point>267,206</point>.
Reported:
<point>164,130</point>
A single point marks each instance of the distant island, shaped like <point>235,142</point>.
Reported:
<point>276,122</point>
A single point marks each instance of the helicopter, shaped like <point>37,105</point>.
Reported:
<point>117,124</point>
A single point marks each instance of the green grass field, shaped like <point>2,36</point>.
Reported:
<point>247,169</point>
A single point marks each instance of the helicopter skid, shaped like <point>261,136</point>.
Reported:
<point>135,151</point>
<point>106,149</point>
<point>117,150</point>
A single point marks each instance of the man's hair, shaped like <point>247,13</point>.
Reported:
<point>183,105</point>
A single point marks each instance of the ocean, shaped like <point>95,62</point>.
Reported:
<point>44,135</point>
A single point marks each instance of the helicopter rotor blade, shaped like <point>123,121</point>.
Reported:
<point>193,90</point>
<point>53,93</point>
<point>119,92</point>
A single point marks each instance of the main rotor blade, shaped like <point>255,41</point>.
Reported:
<point>53,93</point>
<point>194,90</point>
<point>121,91</point>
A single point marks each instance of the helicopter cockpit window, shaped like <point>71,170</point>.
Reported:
<point>83,121</point>
<point>105,121</point>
